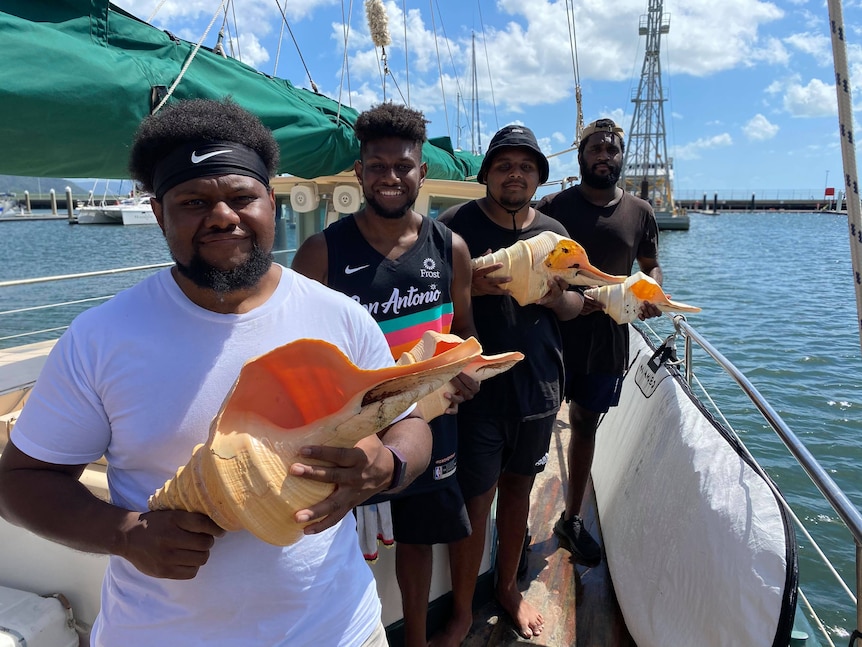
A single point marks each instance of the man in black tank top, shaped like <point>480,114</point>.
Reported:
<point>412,274</point>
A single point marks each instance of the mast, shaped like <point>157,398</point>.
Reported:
<point>647,170</point>
<point>475,125</point>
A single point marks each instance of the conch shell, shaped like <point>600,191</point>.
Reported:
<point>481,367</point>
<point>532,262</point>
<point>623,302</point>
<point>303,393</point>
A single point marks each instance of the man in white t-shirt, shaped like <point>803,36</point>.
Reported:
<point>138,380</point>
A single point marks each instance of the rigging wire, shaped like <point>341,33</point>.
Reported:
<point>440,67</point>
<point>232,6</point>
<point>488,63</point>
<point>573,44</point>
<point>295,44</point>
<point>406,52</point>
<point>278,48</point>
<point>345,63</point>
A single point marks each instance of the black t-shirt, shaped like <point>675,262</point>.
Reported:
<point>532,388</point>
<point>614,237</point>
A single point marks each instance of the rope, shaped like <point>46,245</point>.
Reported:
<point>848,155</point>
<point>188,61</point>
<point>851,186</point>
<point>155,11</point>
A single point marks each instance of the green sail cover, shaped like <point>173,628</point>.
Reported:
<point>78,76</point>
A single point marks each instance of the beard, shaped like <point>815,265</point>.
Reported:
<point>391,214</point>
<point>241,277</point>
<point>597,181</point>
<point>511,204</point>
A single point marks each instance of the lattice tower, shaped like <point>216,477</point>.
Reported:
<point>647,170</point>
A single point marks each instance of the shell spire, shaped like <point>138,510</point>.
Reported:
<point>623,302</point>
<point>481,367</point>
<point>303,393</point>
<point>532,262</point>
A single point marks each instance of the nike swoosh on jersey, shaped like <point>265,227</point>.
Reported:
<point>197,159</point>
<point>352,270</point>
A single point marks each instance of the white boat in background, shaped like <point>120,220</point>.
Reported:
<point>8,205</point>
<point>131,211</point>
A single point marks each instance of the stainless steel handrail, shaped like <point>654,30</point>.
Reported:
<point>842,505</point>
<point>839,501</point>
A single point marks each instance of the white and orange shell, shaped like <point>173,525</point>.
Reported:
<point>303,393</point>
<point>532,262</point>
<point>623,302</point>
<point>481,367</point>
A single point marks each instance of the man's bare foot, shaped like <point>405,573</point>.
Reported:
<point>527,619</point>
<point>453,633</point>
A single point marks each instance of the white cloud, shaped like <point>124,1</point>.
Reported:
<point>816,99</point>
<point>817,45</point>
<point>759,128</point>
<point>692,150</point>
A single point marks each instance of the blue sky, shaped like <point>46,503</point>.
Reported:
<point>750,107</point>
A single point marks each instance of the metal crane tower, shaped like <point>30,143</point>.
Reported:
<point>647,171</point>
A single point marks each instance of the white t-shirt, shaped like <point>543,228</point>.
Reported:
<point>139,379</point>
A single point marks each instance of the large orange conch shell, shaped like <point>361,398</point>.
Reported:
<point>303,393</point>
<point>481,367</point>
<point>532,262</point>
<point>623,302</point>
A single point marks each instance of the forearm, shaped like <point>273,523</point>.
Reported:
<point>568,306</point>
<point>411,437</point>
<point>58,507</point>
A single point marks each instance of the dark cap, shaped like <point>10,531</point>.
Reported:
<point>603,126</point>
<point>514,137</point>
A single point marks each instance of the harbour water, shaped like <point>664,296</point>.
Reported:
<point>776,290</point>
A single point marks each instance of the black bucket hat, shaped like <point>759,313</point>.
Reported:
<point>514,137</point>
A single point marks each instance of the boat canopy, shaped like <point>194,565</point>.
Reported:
<point>78,76</point>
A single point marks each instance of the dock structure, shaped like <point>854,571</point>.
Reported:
<point>717,203</point>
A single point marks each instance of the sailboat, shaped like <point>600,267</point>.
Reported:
<point>669,580</point>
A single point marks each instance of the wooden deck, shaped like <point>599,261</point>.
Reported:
<point>578,602</point>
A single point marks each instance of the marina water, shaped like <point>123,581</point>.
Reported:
<point>777,295</point>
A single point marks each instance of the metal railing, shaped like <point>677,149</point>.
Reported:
<point>837,499</point>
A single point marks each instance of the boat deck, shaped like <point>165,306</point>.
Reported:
<point>578,602</point>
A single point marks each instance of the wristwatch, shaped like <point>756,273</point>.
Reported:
<point>399,471</point>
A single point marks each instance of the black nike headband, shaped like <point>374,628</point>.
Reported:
<point>205,159</point>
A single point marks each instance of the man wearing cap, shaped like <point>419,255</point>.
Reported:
<point>138,380</point>
<point>505,430</point>
<point>616,229</point>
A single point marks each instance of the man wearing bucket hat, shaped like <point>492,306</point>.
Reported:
<point>506,428</point>
<point>616,229</point>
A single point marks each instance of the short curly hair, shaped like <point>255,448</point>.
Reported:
<point>390,120</point>
<point>197,120</point>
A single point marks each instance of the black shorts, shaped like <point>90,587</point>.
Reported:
<point>594,392</point>
<point>487,447</point>
<point>435,517</point>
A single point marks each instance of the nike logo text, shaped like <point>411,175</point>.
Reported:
<point>197,159</point>
<point>351,270</point>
